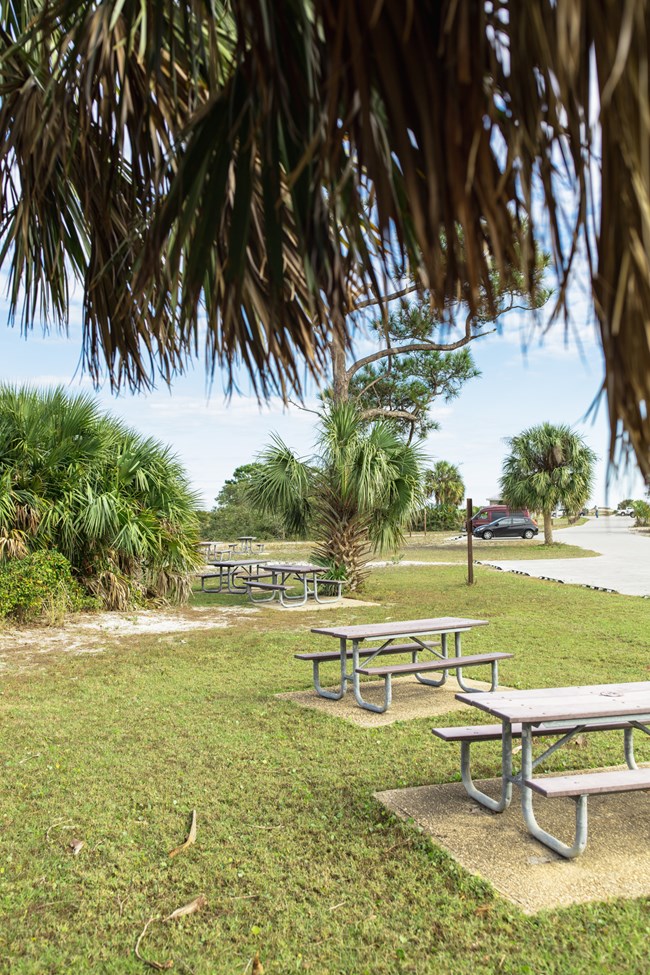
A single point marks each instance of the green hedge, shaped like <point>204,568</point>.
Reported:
<point>39,588</point>
<point>440,517</point>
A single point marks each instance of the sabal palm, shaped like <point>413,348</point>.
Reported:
<point>356,495</point>
<point>117,505</point>
<point>444,481</point>
<point>173,153</point>
<point>548,466</point>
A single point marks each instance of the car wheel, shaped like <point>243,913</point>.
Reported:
<point>487,536</point>
<point>528,533</point>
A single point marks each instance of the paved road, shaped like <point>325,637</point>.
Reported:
<point>623,565</point>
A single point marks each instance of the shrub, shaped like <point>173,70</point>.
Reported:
<point>79,482</point>
<point>39,588</point>
<point>641,513</point>
<point>440,517</point>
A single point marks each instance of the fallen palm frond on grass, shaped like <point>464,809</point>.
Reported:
<point>191,837</point>
<point>195,905</point>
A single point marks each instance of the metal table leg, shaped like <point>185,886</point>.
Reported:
<point>445,673</point>
<point>495,805</point>
<point>580,839</point>
<point>289,601</point>
<point>334,695</point>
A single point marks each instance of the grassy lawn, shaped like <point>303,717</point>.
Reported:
<point>296,858</point>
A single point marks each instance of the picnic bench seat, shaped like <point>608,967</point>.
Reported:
<point>325,655</point>
<point>443,663</point>
<point>339,583</point>
<point>210,575</point>
<point>591,783</point>
<point>417,668</point>
<point>493,732</point>
<point>268,588</point>
<point>578,787</point>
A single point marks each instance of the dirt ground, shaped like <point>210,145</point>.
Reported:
<point>21,648</point>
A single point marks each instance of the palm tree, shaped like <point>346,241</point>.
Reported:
<point>356,495</point>
<point>267,161</point>
<point>117,505</point>
<point>548,467</point>
<point>445,483</point>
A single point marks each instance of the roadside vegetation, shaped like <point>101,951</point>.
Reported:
<point>548,467</point>
<point>297,860</point>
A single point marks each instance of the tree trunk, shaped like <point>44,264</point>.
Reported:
<point>340,378</point>
<point>548,528</point>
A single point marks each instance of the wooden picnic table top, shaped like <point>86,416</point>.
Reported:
<point>233,563</point>
<point>246,538</point>
<point>300,569</point>
<point>402,628</point>
<point>565,703</point>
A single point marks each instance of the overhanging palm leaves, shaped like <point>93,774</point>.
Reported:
<point>117,505</point>
<point>270,158</point>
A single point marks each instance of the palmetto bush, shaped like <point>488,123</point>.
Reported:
<point>117,505</point>
<point>356,495</point>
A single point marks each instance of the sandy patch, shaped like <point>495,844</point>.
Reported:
<point>410,700</point>
<point>616,862</point>
<point>20,648</point>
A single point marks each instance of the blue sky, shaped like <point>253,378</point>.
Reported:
<point>527,378</point>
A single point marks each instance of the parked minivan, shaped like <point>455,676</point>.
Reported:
<point>485,515</point>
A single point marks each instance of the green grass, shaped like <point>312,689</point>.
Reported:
<point>297,859</point>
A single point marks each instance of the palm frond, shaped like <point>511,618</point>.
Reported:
<point>263,162</point>
<point>282,484</point>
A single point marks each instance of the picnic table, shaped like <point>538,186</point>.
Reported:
<point>564,712</point>
<point>246,542</point>
<point>351,637</point>
<point>231,575</point>
<point>209,550</point>
<point>284,577</point>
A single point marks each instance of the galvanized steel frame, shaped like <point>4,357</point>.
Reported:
<point>529,763</point>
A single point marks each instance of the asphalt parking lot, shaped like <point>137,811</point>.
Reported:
<point>623,564</point>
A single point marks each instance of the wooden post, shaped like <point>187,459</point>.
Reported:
<point>425,522</point>
<point>470,538</point>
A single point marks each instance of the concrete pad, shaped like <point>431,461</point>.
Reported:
<point>410,700</point>
<point>498,847</point>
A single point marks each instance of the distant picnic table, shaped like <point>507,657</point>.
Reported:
<point>351,637</point>
<point>286,576</point>
<point>231,575</point>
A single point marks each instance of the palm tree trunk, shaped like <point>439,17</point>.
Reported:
<point>345,547</point>
<point>548,528</point>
